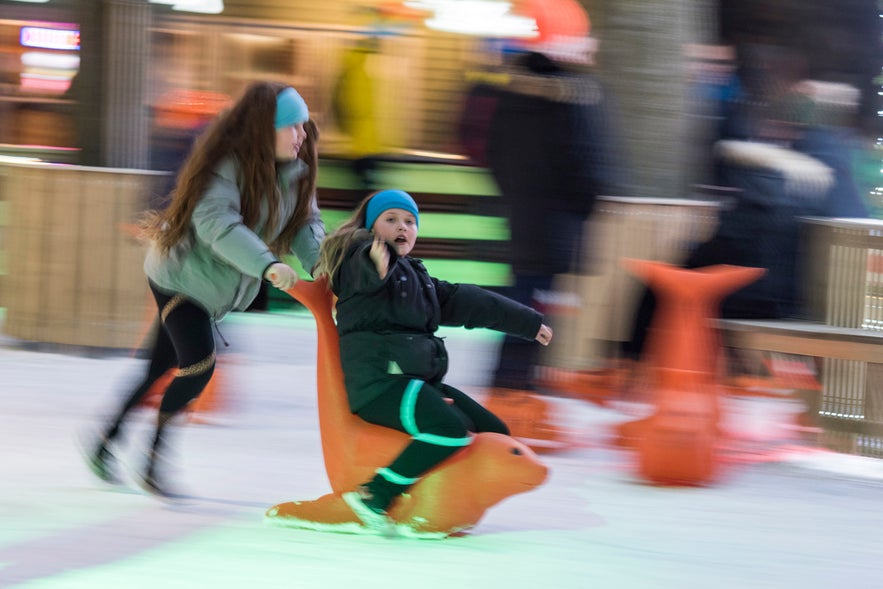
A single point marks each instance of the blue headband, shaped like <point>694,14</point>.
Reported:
<point>290,109</point>
<point>390,199</point>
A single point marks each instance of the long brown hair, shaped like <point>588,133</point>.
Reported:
<point>306,191</point>
<point>247,133</point>
<point>341,239</point>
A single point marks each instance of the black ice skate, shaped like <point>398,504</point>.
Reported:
<point>102,464</point>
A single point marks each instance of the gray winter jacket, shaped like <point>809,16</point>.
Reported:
<point>220,262</point>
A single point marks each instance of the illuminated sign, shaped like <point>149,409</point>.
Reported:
<point>65,39</point>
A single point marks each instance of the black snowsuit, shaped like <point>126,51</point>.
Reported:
<point>393,363</point>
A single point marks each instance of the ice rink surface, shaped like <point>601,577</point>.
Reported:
<point>809,519</point>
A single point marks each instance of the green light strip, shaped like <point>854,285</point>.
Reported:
<point>441,225</point>
<point>469,272</point>
<point>433,178</point>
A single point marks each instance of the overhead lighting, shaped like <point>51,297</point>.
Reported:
<point>44,59</point>
<point>33,1</point>
<point>489,18</point>
<point>201,6</point>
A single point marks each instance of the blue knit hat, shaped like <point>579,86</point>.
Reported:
<point>290,109</point>
<point>390,199</point>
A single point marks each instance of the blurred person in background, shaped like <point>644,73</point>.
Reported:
<point>354,105</point>
<point>388,310</point>
<point>839,44</point>
<point>179,118</point>
<point>830,138</point>
<point>552,149</point>
<point>781,160</point>
<point>245,198</point>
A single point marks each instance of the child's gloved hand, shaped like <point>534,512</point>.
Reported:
<point>280,275</point>
<point>544,336</point>
<point>380,256</point>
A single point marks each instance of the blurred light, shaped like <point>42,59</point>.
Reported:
<point>202,6</point>
<point>46,72</point>
<point>33,1</point>
<point>41,59</point>
<point>45,38</point>
<point>431,154</point>
<point>476,17</point>
<point>45,83</point>
<point>18,159</point>
<point>49,69</point>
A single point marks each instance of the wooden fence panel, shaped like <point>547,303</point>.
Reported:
<point>74,277</point>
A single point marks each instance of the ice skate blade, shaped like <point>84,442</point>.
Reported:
<point>372,520</point>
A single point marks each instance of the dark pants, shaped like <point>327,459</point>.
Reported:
<point>519,356</point>
<point>437,429</point>
<point>183,338</point>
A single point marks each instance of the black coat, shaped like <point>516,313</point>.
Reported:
<point>760,228</point>
<point>551,151</point>
<point>387,326</point>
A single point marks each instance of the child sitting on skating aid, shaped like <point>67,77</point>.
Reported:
<point>388,310</point>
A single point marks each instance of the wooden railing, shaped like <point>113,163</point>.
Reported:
<point>843,262</point>
<point>605,296</point>
<point>73,276</point>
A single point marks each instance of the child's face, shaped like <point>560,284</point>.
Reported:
<point>398,228</point>
<point>288,141</point>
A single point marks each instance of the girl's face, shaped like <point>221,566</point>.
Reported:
<point>398,228</point>
<point>288,142</point>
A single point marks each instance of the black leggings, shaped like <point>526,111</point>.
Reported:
<point>438,428</point>
<point>183,338</point>
<point>518,356</point>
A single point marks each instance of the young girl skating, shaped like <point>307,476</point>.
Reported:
<point>388,310</point>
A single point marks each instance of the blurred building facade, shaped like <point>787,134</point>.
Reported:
<point>97,101</point>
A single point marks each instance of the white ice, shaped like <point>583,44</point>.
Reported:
<point>809,519</point>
